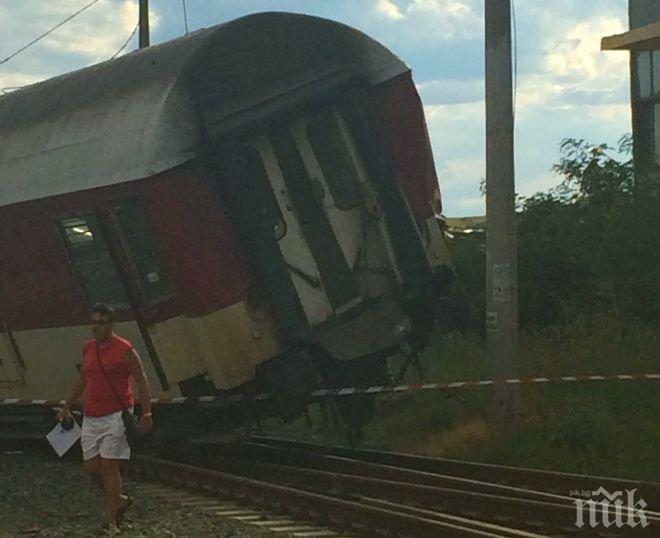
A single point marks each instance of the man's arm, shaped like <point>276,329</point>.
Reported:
<point>137,370</point>
<point>76,391</point>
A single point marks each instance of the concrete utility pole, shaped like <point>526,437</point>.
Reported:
<point>144,23</point>
<point>501,242</point>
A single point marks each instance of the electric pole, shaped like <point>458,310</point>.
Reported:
<point>501,241</point>
<point>144,23</point>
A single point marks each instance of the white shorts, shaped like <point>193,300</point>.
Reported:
<point>106,437</point>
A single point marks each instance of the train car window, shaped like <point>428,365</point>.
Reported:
<point>142,251</point>
<point>254,168</point>
<point>334,157</point>
<point>92,262</point>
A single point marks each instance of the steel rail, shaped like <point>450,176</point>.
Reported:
<point>529,514</point>
<point>340,464</point>
<point>323,508</point>
<point>549,481</point>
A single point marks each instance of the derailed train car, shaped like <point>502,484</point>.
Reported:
<point>257,200</point>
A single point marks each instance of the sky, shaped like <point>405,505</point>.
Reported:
<point>565,86</point>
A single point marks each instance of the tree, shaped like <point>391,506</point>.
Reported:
<point>591,244</point>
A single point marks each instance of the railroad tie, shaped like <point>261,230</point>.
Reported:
<point>277,524</point>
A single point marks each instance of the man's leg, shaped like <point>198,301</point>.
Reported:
<point>112,485</point>
<point>93,468</point>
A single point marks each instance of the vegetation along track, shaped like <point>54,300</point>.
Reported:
<point>399,495</point>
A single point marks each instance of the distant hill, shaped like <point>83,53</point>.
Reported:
<point>467,223</point>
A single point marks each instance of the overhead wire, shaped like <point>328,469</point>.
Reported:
<point>46,33</point>
<point>137,25</point>
<point>515,59</point>
<point>185,15</point>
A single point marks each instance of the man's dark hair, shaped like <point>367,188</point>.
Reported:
<point>105,310</point>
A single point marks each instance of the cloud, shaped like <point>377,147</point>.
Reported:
<point>451,91</point>
<point>470,170</point>
<point>388,9</point>
<point>475,205</point>
<point>444,8</point>
<point>619,114</point>
<point>93,36</point>
<point>96,36</point>
<point>10,80</point>
<point>576,55</point>
<point>572,70</point>
<point>457,133</point>
<point>433,19</point>
<point>456,129</point>
<point>541,183</point>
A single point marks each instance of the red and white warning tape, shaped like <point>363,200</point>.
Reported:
<point>377,389</point>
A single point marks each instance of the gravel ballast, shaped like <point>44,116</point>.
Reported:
<point>46,497</point>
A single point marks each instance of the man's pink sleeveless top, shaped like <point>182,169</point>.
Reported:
<point>100,399</point>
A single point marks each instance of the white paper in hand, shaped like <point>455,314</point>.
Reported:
<point>62,440</point>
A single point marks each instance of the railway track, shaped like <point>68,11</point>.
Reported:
<point>531,479</point>
<point>271,521</point>
<point>386,494</point>
<point>366,515</point>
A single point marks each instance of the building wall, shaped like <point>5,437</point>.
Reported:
<point>645,93</point>
<point>643,12</point>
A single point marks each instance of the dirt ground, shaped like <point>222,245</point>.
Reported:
<point>42,496</point>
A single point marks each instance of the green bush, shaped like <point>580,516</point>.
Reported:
<point>588,247</point>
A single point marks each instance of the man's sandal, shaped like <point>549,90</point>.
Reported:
<point>108,529</point>
<point>121,512</point>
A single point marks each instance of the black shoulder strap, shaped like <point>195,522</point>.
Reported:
<point>98,358</point>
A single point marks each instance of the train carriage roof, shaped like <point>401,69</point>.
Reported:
<point>144,112</point>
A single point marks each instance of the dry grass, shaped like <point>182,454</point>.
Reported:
<point>603,427</point>
<point>458,439</point>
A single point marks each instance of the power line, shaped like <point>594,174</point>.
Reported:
<point>126,42</point>
<point>515,59</point>
<point>185,15</point>
<point>12,55</point>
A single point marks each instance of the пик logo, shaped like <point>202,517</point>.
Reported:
<point>609,509</point>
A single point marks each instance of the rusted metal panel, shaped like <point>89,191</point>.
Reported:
<point>145,112</point>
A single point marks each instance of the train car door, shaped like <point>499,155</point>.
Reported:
<point>306,181</point>
<point>310,246</point>
<point>307,195</point>
<point>332,164</point>
<point>263,172</point>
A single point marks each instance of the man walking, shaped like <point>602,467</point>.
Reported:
<point>109,363</point>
